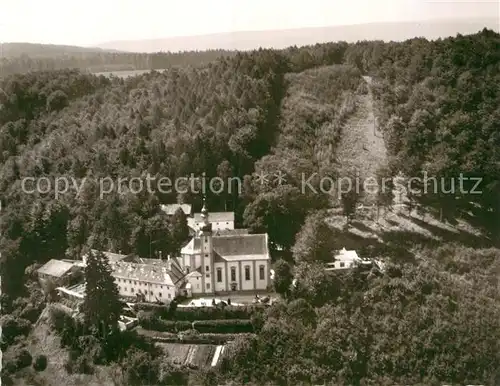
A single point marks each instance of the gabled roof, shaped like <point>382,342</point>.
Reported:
<point>238,247</point>
<point>170,209</point>
<point>143,272</point>
<point>233,247</point>
<point>171,265</point>
<point>111,256</point>
<point>216,217</point>
<point>56,268</point>
<point>230,232</point>
<point>195,273</point>
<point>344,254</point>
<point>192,247</point>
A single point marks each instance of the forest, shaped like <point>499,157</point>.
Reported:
<point>438,105</point>
<point>23,58</point>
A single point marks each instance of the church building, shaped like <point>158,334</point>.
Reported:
<point>222,262</point>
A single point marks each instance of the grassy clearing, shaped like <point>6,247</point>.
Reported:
<point>362,147</point>
<point>362,144</point>
<point>194,354</point>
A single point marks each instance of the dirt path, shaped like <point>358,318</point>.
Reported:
<point>362,145</point>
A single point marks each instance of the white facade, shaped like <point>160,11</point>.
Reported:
<point>152,291</point>
<point>153,281</point>
<point>170,209</point>
<point>218,220</point>
<point>345,260</point>
<point>225,262</point>
<point>194,278</point>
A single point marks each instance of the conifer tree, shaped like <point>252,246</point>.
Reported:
<point>179,230</point>
<point>101,306</point>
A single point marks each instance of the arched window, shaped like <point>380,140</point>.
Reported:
<point>247,272</point>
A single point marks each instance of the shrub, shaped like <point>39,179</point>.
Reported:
<point>231,326</point>
<point>30,313</point>
<point>200,338</point>
<point>79,364</point>
<point>13,327</point>
<point>192,314</point>
<point>58,317</point>
<point>23,359</point>
<point>150,321</point>
<point>91,347</point>
<point>40,363</point>
<point>140,366</point>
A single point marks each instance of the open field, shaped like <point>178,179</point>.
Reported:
<point>199,355</point>
<point>362,144</point>
<point>362,147</point>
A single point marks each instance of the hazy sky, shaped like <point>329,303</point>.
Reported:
<point>91,22</point>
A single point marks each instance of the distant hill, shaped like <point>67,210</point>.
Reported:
<point>432,29</point>
<point>13,50</point>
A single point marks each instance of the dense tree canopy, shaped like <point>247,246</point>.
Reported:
<point>414,325</point>
<point>243,115</point>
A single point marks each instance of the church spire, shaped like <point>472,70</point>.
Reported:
<point>204,215</point>
<point>204,209</point>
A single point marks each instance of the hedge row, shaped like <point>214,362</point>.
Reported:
<point>150,321</point>
<point>192,314</point>
<point>228,326</point>
<point>217,339</point>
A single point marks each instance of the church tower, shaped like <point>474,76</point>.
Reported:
<point>206,251</point>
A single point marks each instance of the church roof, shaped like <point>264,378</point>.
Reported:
<point>233,247</point>
<point>242,247</point>
<point>216,217</point>
<point>229,232</point>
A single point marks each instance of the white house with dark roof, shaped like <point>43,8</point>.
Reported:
<point>218,220</point>
<point>155,280</point>
<point>170,209</point>
<point>150,279</point>
<point>346,259</point>
<point>222,262</point>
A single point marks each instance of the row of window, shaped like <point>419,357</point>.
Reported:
<point>201,223</point>
<point>139,283</point>
<point>262,273</point>
<point>132,290</point>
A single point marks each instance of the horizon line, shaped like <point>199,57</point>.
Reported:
<point>443,19</point>
<point>99,44</point>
